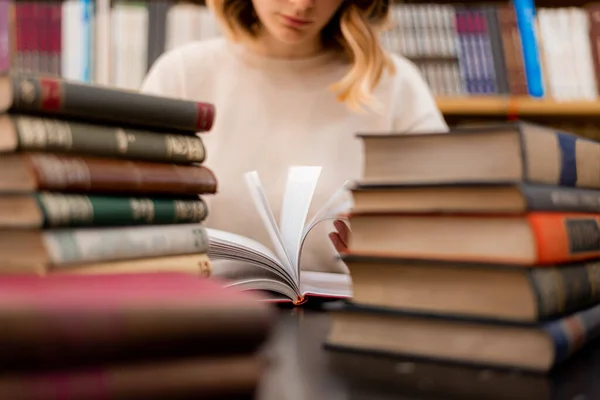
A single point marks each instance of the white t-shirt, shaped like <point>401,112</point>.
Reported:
<point>275,113</point>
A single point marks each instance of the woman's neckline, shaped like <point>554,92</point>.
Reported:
<point>264,61</point>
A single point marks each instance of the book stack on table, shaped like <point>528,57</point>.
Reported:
<point>479,246</point>
<point>103,280</point>
<point>151,336</point>
<point>100,180</point>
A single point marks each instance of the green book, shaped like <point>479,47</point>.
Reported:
<point>53,210</point>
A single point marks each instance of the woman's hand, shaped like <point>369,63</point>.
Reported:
<point>340,237</point>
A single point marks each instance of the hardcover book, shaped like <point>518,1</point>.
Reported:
<point>279,270</point>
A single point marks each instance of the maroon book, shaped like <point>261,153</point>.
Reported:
<point>68,320</point>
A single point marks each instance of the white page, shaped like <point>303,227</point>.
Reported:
<point>339,203</point>
<point>299,190</point>
<point>264,210</point>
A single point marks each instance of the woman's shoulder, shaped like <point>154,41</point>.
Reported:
<point>413,103</point>
<point>173,70</point>
<point>406,72</point>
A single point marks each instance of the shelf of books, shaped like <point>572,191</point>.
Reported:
<point>479,60</point>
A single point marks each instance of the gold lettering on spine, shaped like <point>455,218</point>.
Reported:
<point>205,267</point>
<point>593,271</point>
<point>40,133</point>
<point>189,147</point>
<point>60,173</point>
<point>142,209</point>
<point>189,211</point>
<point>27,92</point>
<point>64,210</point>
<point>123,140</point>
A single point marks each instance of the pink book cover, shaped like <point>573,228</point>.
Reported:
<point>70,320</point>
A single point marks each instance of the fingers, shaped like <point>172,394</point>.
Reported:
<point>339,245</point>
<point>343,231</point>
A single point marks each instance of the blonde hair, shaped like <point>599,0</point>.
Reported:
<point>354,30</point>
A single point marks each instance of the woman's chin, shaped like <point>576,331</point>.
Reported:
<point>292,35</point>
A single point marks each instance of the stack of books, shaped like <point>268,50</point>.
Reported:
<point>480,246</point>
<point>153,336</point>
<point>100,180</point>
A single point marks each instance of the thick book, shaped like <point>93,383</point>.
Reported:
<point>37,250</point>
<point>52,96</point>
<point>507,152</point>
<point>28,133</point>
<point>58,210</point>
<point>474,289</point>
<point>536,347</point>
<point>196,264</point>
<point>535,238</point>
<point>30,172</point>
<point>385,377</point>
<point>69,320</point>
<point>474,197</point>
<point>282,265</point>
<point>227,377</point>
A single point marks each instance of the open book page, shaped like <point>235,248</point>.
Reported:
<point>252,277</point>
<point>230,246</point>
<point>260,268</point>
<point>264,210</point>
<point>299,190</point>
<point>326,284</point>
<point>341,202</point>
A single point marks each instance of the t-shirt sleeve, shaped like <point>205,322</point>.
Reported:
<point>415,109</point>
<point>165,76</point>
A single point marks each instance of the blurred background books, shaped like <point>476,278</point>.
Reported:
<point>479,61</point>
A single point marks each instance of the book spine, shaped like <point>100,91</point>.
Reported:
<point>5,35</point>
<point>573,163</point>
<point>511,44</point>
<point>525,12</point>
<point>192,264</point>
<point>593,12</point>
<point>88,245</point>
<point>53,96</point>
<point>61,210</point>
<point>571,333</point>
<point>98,175</point>
<point>232,377</point>
<point>561,199</point>
<point>54,135</point>
<point>565,289</point>
<point>491,15</point>
<point>565,237</point>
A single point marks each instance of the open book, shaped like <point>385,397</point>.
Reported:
<point>278,271</point>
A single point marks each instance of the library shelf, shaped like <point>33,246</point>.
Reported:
<point>516,106</point>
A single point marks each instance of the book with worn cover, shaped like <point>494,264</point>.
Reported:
<point>282,276</point>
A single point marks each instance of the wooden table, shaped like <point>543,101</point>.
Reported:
<point>303,370</point>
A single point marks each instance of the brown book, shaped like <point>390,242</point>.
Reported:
<point>497,153</point>
<point>513,54</point>
<point>230,377</point>
<point>474,289</point>
<point>29,93</point>
<point>535,347</point>
<point>28,172</point>
<point>593,11</point>
<point>68,320</point>
<point>27,133</point>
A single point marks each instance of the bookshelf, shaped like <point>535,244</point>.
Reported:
<point>499,106</point>
<point>453,106</point>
